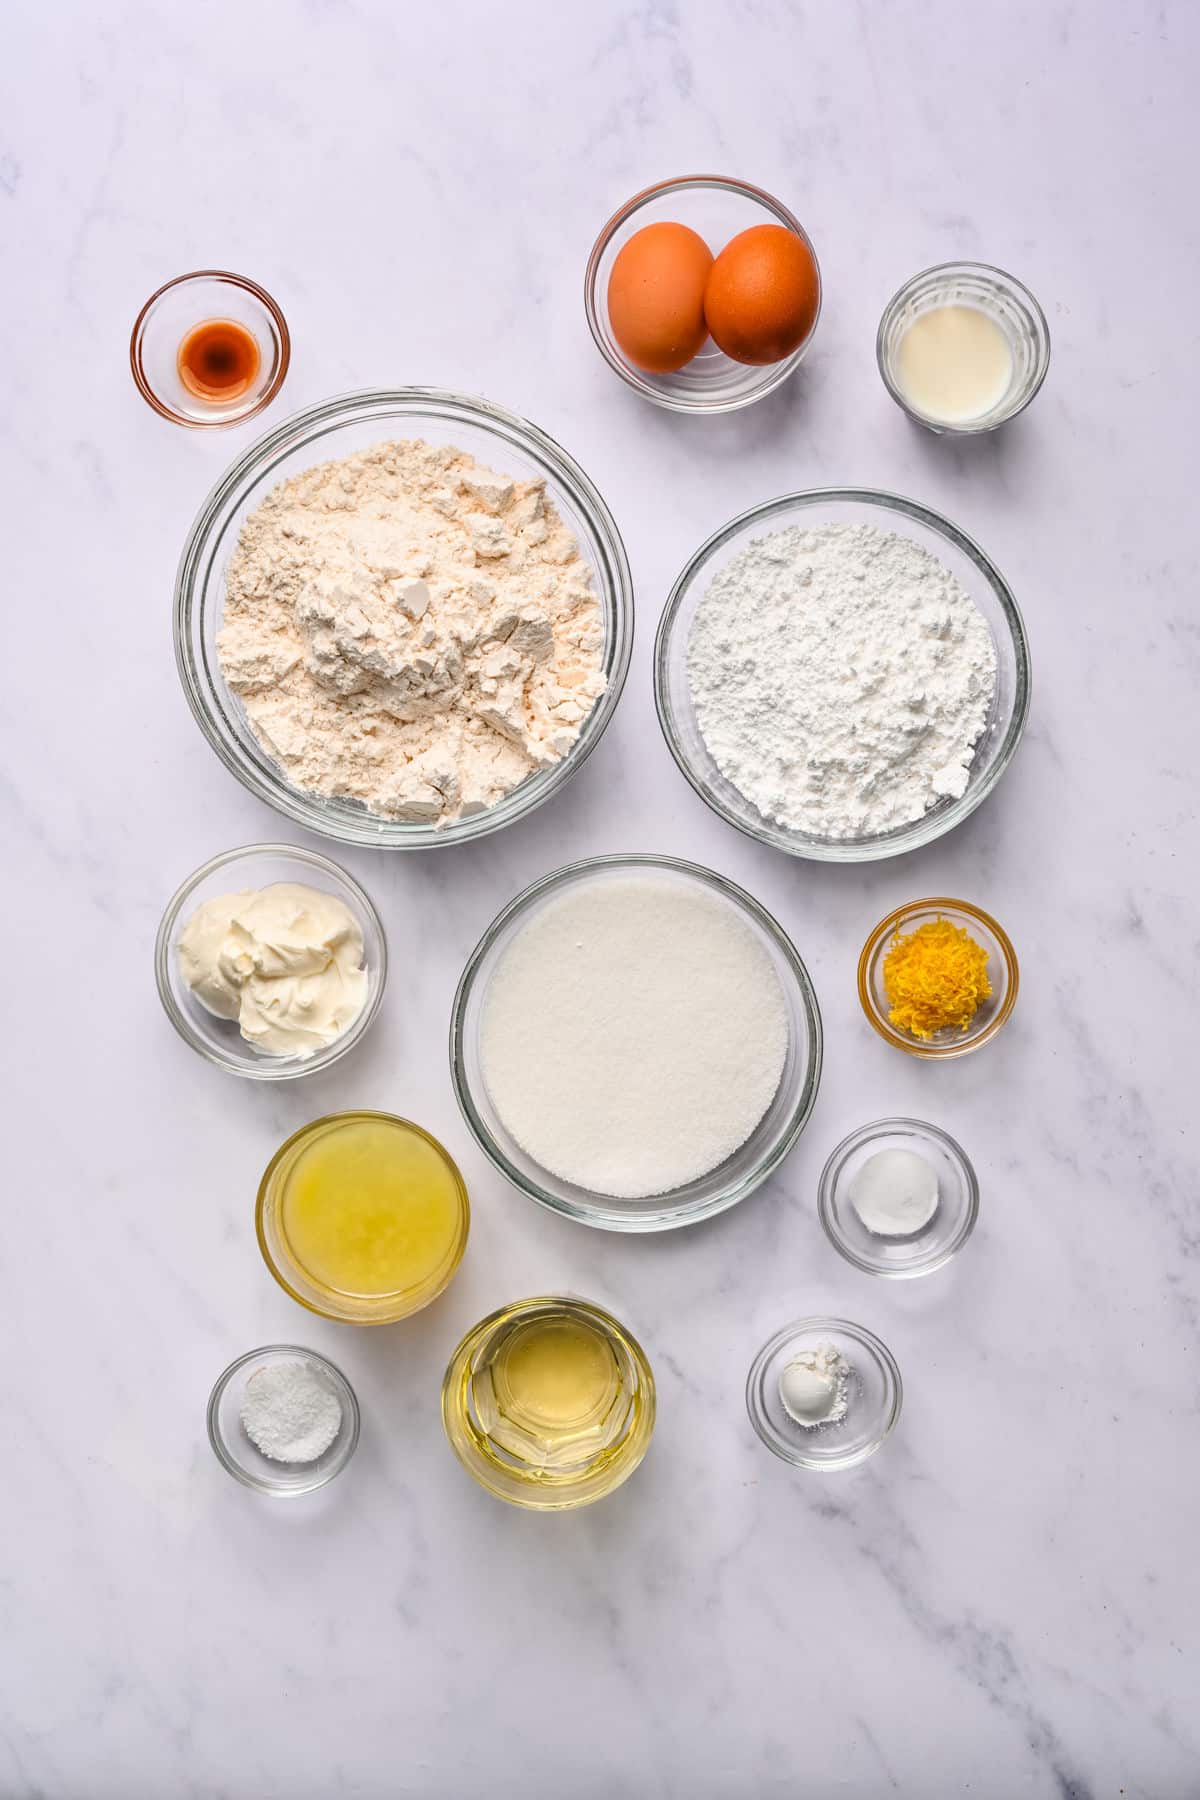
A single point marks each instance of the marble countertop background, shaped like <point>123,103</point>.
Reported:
<point>1005,1600</point>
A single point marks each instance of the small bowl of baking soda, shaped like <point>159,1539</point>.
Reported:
<point>283,1420</point>
<point>898,1198</point>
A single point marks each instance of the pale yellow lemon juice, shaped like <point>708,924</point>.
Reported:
<point>363,1216</point>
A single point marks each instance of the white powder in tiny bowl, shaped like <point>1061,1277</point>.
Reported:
<point>290,1412</point>
<point>633,1034</point>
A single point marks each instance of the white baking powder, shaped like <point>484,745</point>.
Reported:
<point>290,1412</point>
<point>841,678</point>
<point>814,1386</point>
<point>633,1034</point>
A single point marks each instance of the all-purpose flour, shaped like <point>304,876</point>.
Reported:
<point>412,630</point>
<point>841,678</point>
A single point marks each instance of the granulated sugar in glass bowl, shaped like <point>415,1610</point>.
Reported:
<point>701,1060</point>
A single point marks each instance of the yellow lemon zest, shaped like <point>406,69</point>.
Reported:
<point>934,977</point>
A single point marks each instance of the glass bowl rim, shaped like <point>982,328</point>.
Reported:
<point>227,1461</point>
<point>773,373</point>
<point>645,1369</point>
<point>360,1112</point>
<point>813,1326</point>
<point>270,306</point>
<point>733,1193</point>
<point>1001,278</point>
<point>954,1047</point>
<point>289,1069</point>
<point>934,824</point>
<point>408,402</point>
<point>854,1140</point>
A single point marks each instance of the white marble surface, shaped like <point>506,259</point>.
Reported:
<point>1004,1601</point>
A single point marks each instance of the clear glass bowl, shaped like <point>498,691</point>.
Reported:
<point>337,428</point>
<point>505,1451</point>
<point>236,871</point>
<point>750,1165</point>
<point>874,1396</point>
<point>174,310</point>
<point>718,208</point>
<point>333,1303</point>
<point>919,1252</point>
<point>976,574</point>
<point>1005,300</point>
<point>242,1458</point>
<point>1002,970</point>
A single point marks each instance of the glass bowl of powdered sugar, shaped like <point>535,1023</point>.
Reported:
<point>403,618</point>
<point>635,1043</point>
<point>283,1421</point>
<point>842,674</point>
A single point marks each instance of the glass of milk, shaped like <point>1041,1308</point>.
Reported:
<point>963,347</point>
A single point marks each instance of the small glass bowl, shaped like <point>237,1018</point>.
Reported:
<point>338,428</point>
<point>749,1166</point>
<point>976,574</point>
<point>259,866</point>
<point>609,1448</point>
<point>717,207</point>
<point>920,1252</point>
<point>1002,971</point>
<point>244,1460</point>
<point>1005,300</point>
<point>177,308</point>
<point>875,1396</point>
<point>332,1303</point>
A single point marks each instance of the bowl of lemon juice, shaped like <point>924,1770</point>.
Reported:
<point>362,1217</point>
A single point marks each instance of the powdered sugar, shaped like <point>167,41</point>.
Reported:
<point>841,678</point>
<point>411,630</point>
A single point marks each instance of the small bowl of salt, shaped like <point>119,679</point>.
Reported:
<point>283,1420</point>
<point>898,1198</point>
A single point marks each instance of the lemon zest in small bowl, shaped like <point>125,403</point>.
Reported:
<point>935,977</point>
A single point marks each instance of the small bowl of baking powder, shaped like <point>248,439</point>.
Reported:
<point>283,1420</point>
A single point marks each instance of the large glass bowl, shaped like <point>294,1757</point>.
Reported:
<point>749,1166</point>
<point>337,428</point>
<point>975,573</point>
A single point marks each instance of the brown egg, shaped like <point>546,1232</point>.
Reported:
<point>763,294</point>
<point>656,296</point>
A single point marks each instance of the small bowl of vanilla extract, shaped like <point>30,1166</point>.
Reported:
<point>209,349</point>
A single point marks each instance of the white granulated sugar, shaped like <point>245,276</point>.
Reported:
<point>633,1035</point>
<point>410,630</point>
<point>290,1412</point>
<point>841,678</point>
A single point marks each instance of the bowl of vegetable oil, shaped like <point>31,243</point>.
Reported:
<point>549,1403</point>
<point>362,1217</point>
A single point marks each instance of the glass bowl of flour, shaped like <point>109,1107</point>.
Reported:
<point>842,674</point>
<point>635,1043</point>
<point>403,649</point>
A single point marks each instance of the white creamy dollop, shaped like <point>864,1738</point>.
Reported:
<point>285,961</point>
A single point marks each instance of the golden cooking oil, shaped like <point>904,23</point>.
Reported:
<point>549,1403</point>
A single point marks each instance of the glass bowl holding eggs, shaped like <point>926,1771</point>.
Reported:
<point>703,293</point>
